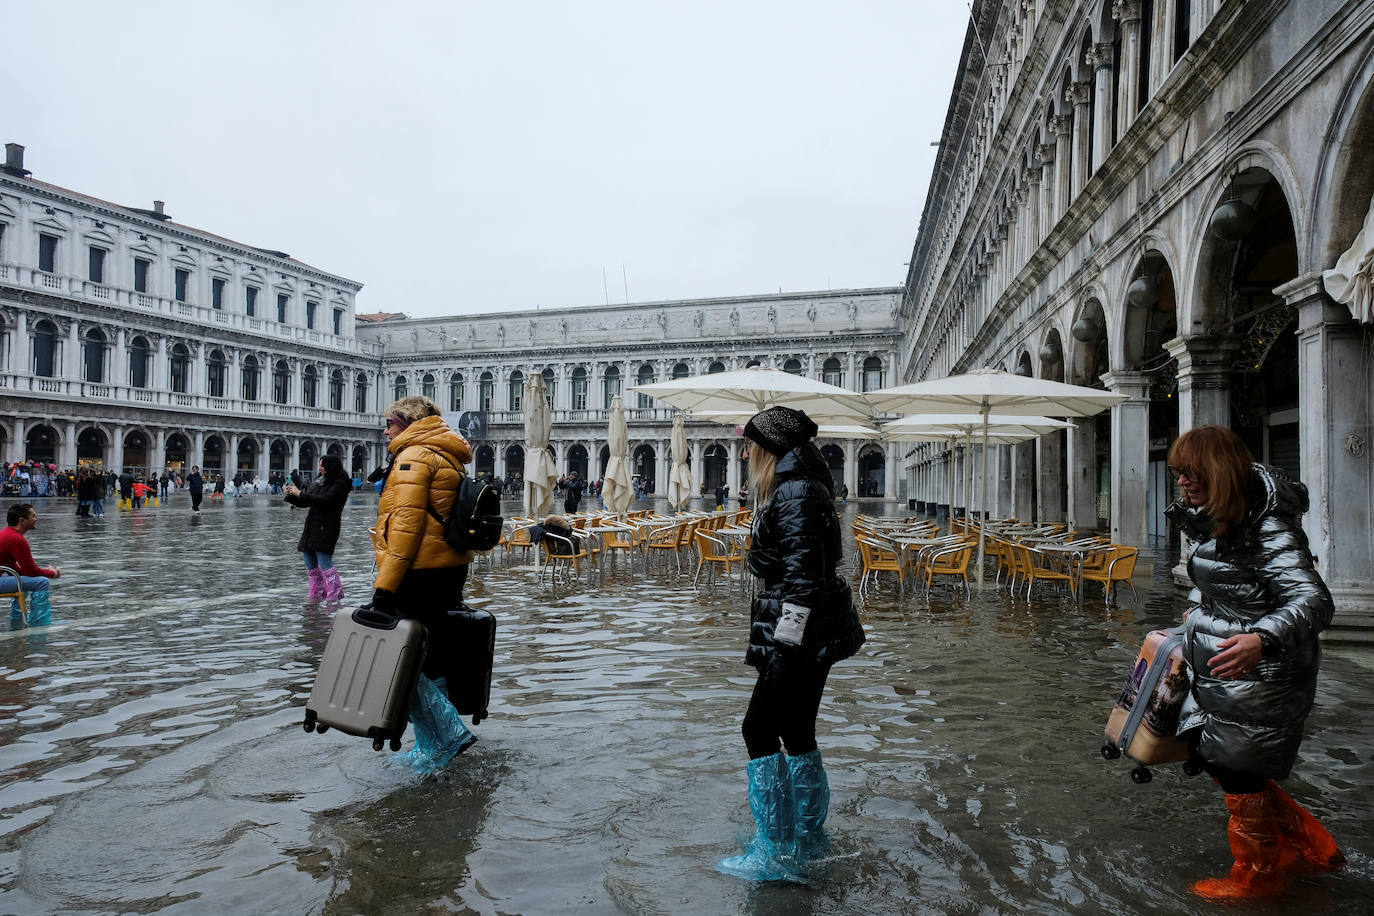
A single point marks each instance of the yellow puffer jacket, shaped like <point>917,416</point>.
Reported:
<point>407,537</point>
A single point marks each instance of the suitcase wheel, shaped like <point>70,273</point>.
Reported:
<point>309,723</point>
<point>395,744</point>
<point>321,728</point>
<point>1192,767</point>
<point>1141,775</point>
<point>1110,752</point>
<point>477,717</point>
<point>377,744</point>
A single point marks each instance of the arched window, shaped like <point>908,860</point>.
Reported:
<point>516,390</point>
<point>832,372</point>
<point>399,387</point>
<point>179,368</point>
<point>550,385</point>
<point>610,385</point>
<point>428,385</point>
<point>281,382</point>
<point>336,389</point>
<point>139,353</point>
<point>360,393</point>
<point>310,386</point>
<point>749,365</point>
<point>579,389</point>
<point>681,371</point>
<point>216,368</point>
<point>873,374</point>
<point>45,349</point>
<point>720,367</point>
<point>250,378</point>
<point>93,359</point>
<point>455,391</point>
<point>486,390</point>
<point>792,366</point>
<point>645,377</point>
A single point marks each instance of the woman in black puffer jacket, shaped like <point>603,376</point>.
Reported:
<point>801,622</point>
<point>325,498</point>
<point>1252,652</point>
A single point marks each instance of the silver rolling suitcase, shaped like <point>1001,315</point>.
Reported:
<point>367,677</point>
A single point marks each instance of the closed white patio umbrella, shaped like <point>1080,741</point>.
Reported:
<point>986,390</point>
<point>540,472</point>
<point>680,479</point>
<point>616,487</point>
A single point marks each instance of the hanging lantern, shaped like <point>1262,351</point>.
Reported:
<point>1049,352</point>
<point>1143,291</point>
<point>1085,329</point>
<point>1022,370</point>
<point>1232,220</point>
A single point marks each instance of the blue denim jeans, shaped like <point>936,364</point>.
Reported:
<point>318,558</point>
<point>29,583</point>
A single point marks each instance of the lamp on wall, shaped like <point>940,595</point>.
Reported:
<point>1144,289</point>
<point>1022,370</point>
<point>1233,218</point>
<point>1049,351</point>
<point>1086,329</point>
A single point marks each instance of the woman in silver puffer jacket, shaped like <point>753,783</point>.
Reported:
<point>1252,652</point>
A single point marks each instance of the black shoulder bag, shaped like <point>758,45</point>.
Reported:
<point>475,523</point>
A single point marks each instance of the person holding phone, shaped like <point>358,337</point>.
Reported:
<point>325,498</point>
<point>802,621</point>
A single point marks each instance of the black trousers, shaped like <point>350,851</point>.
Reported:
<point>1232,782</point>
<point>427,595</point>
<point>783,708</point>
<point>195,498</point>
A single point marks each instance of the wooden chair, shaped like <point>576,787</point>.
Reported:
<point>669,537</point>
<point>876,557</point>
<point>519,539</point>
<point>1116,565</point>
<point>561,553</point>
<point>711,554</point>
<point>952,561</point>
<point>613,539</point>
<point>17,594</point>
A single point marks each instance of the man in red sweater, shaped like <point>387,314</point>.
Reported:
<point>33,579</point>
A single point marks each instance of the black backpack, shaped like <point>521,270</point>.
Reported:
<point>475,523</point>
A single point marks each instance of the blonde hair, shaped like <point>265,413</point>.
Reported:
<point>762,464</point>
<point>412,409</point>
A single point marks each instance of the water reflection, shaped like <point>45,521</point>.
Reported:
<point>152,757</point>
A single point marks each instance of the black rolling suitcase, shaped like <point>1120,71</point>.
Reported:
<point>367,676</point>
<point>469,668</point>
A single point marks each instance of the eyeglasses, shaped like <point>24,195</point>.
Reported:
<point>390,423</point>
<point>1186,473</point>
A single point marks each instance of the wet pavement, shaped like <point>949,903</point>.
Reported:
<point>152,759</point>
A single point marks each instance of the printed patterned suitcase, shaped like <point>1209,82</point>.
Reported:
<point>469,674</point>
<point>367,677</point>
<point>1143,722</point>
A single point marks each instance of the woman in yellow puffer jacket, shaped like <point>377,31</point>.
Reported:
<point>419,575</point>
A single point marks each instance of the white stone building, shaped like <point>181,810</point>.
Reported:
<point>128,340</point>
<point>1143,195</point>
<point>588,355</point>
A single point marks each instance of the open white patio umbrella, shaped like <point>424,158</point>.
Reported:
<point>952,428</point>
<point>540,473</point>
<point>986,390</point>
<point>826,430</point>
<point>617,488</point>
<point>680,479</point>
<point>756,388</point>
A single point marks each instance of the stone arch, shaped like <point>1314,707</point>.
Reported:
<point>1051,355</point>
<point>1088,355</point>
<point>212,454</point>
<point>309,457</point>
<point>177,450</point>
<point>643,461</point>
<point>872,468</point>
<point>1144,325</point>
<point>359,466</point>
<point>41,443</point>
<point>92,444</point>
<point>577,459</point>
<point>1344,186</point>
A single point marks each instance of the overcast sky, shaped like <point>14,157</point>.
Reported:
<point>466,156</point>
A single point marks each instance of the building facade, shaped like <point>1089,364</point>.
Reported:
<point>1144,196</point>
<point>477,365</point>
<point>131,341</point>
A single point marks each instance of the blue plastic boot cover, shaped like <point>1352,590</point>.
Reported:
<point>811,793</point>
<point>769,855</point>
<point>16,618</point>
<point>440,734</point>
<point>39,608</point>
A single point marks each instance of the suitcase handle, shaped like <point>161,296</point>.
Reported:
<point>369,616</point>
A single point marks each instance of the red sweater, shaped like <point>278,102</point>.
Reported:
<point>14,551</point>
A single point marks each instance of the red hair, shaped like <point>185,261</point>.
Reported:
<point>1215,457</point>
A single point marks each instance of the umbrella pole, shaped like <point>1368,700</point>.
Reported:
<point>983,502</point>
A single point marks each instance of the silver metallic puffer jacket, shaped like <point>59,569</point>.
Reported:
<point>1257,579</point>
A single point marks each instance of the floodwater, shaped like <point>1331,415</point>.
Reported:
<point>152,759</point>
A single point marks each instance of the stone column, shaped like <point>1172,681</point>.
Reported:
<point>698,448</point>
<point>663,467</point>
<point>1032,220</point>
<point>196,384</point>
<point>1127,14</point>
<point>197,450</point>
<point>1099,57</point>
<point>1130,457</point>
<point>1048,190</point>
<point>231,460</point>
<point>851,464</point>
<point>1082,482</point>
<point>1063,165</point>
<point>1204,379</point>
<point>158,461</point>
<point>71,357</point>
<point>159,380</point>
<point>890,473</point>
<point>1337,440</point>
<point>732,469</point>
<point>1050,496</point>
<point>1161,45</point>
<point>1023,480</point>
<point>66,456</point>
<point>116,462</point>
<point>1078,94</point>
<point>19,357</point>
